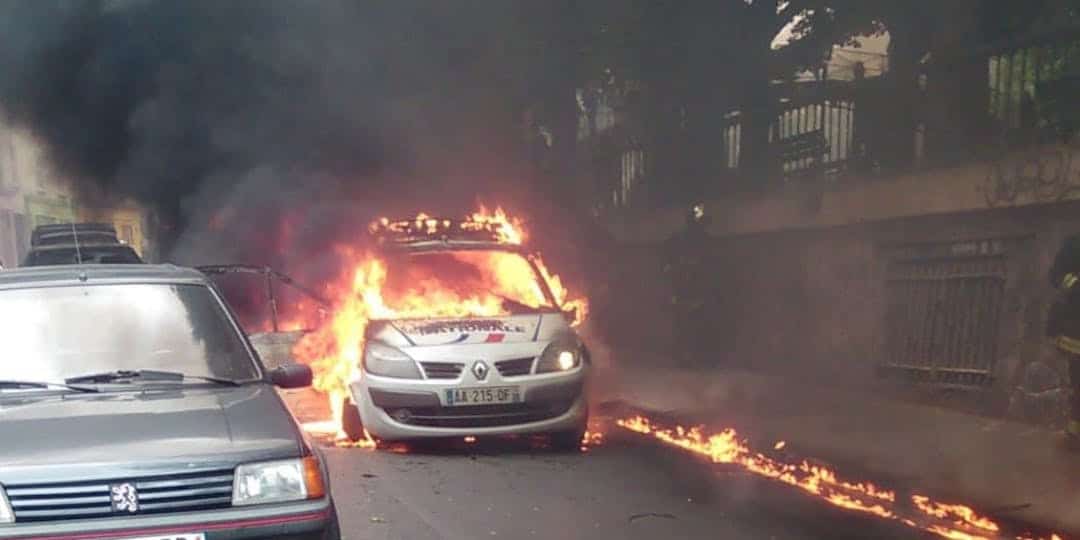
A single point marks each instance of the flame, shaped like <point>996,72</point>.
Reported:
<point>945,520</point>
<point>366,292</point>
<point>591,439</point>
<point>509,230</point>
<point>579,306</point>
<point>499,226</point>
<point>960,514</point>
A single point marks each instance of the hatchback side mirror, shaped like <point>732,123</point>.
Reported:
<point>291,376</point>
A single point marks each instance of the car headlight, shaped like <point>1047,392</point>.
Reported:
<point>278,481</point>
<point>388,361</point>
<point>6,514</point>
<point>560,356</point>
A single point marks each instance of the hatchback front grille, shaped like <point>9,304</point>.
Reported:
<point>514,367</point>
<point>155,494</point>
<point>442,370</point>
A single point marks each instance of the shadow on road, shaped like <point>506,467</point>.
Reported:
<point>488,446</point>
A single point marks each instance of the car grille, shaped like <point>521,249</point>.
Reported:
<point>156,494</point>
<point>442,370</point>
<point>514,367</point>
<point>472,416</point>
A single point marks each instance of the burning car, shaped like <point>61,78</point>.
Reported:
<point>464,336</point>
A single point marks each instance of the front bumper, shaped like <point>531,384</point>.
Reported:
<point>395,409</point>
<point>309,520</point>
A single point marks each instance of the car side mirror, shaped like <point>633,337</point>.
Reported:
<point>571,314</point>
<point>291,376</point>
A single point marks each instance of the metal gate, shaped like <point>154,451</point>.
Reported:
<point>944,303</point>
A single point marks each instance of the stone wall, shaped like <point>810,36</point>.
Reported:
<point>802,269</point>
<point>811,303</point>
<point>1038,176</point>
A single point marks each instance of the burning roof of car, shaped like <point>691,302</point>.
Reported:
<point>481,228</point>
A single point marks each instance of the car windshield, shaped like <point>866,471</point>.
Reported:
<point>53,333</point>
<point>475,282</point>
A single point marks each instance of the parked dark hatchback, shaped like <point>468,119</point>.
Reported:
<point>78,243</point>
<point>132,406</point>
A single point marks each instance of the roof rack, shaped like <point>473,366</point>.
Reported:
<point>427,229</point>
<point>64,233</point>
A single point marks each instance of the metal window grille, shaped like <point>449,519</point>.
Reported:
<point>632,171</point>
<point>941,320</point>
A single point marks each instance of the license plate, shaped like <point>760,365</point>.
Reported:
<point>483,396</point>
<point>189,536</point>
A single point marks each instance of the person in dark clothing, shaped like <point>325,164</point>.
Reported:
<point>688,274</point>
<point>1063,326</point>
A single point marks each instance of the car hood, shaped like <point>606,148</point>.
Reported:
<point>510,329</point>
<point>67,436</point>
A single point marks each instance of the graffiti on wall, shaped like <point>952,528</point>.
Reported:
<point>1039,175</point>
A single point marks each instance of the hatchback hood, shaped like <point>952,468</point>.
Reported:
<point>511,329</point>
<point>66,436</point>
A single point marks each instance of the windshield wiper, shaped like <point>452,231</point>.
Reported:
<point>39,384</point>
<point>149,375</point>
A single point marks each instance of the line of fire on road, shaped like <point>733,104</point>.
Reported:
<point>952,521</point>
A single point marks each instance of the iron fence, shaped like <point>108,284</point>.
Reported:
<point>831,121</point>
<point>1015,94</point>
<point>804,137</point>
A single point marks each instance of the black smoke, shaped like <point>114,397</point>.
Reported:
<point>335,109</point>
<point>267,131</point>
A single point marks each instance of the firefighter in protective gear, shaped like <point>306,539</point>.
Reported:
<point>1063,325</point>
<point>687,271</point>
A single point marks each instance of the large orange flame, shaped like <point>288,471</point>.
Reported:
<point>366,292</point>
<point>946,520</point>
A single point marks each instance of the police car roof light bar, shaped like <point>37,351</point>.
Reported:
<point>426,228</point>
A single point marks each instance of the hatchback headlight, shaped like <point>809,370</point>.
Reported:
<point>388,361</point>
<point>560,356</point>
<point>6,514</point>
<point>278,481</point>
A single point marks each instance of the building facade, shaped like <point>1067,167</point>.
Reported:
<point>928,279</point>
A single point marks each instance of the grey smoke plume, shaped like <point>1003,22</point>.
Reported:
<point>267,131</point>
<point>246,111</point>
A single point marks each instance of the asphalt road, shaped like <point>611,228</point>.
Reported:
<point>625,488</point>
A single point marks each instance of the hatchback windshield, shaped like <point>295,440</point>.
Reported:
<point>52,333</point>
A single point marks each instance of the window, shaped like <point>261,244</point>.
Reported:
<point>632,169</point>
<point>944,303</point>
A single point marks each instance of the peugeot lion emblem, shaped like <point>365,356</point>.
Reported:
<point>125,498</point>
<point>480,369</point>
